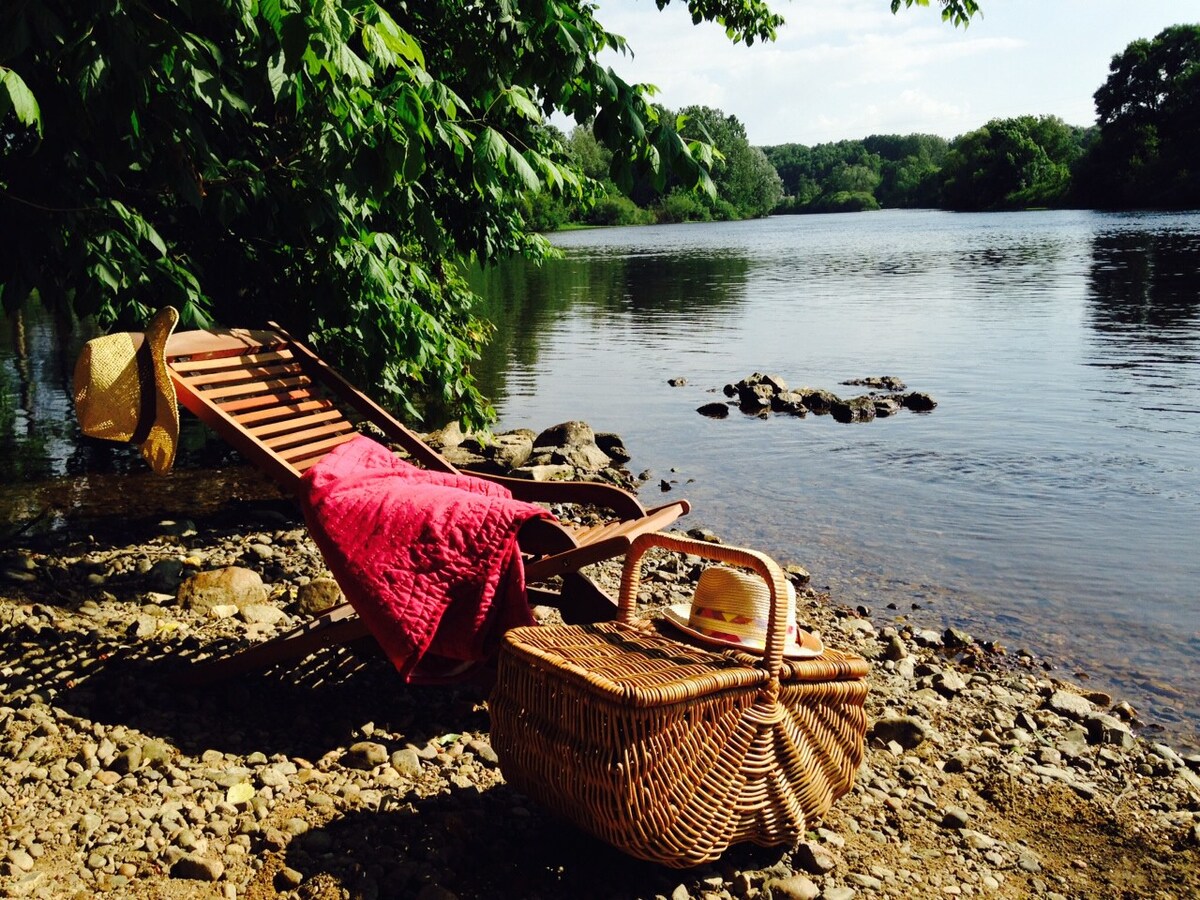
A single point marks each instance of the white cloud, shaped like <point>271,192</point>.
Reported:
<point>850,68</point>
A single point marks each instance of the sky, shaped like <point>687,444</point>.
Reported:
<point>846,69</point>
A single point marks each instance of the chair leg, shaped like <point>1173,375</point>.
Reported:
<point>339,625</point>
<point>583,602</point>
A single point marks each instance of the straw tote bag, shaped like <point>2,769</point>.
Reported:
<point>672,752</point>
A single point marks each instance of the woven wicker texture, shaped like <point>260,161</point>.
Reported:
<point>671,752</point>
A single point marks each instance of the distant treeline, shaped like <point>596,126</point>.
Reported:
<point>1007,164</point>
<point>1143,152</point>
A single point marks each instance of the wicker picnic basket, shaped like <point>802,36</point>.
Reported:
<point>671,752</point>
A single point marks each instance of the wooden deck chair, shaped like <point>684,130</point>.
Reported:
<point>284,408</point>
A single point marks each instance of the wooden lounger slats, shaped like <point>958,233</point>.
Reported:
<point>245,374</point>
<point>290,420</point>
<point>250,388</point>
<point>285,409</point>
<point>280,400</point>
<point>315,449</point>
<point>309,436</point>
<point>239,369</point>
<point>220,363</point>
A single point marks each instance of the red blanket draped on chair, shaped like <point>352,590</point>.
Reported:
<point>429,560</point>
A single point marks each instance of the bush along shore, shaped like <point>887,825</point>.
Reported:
<point>984,776</point>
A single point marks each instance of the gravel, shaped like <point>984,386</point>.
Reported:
<point>985,776</point>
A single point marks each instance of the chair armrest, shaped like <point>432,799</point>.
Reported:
<point>593,493</point>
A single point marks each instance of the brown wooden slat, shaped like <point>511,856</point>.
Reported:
<point>308,436</point>
<point>284,410</point>
<point>188,367</point>
<point>627,528</point>
<point>289,420</point>
<point>206,380</point>
<point>317,448</point>
<point>262,387</point>
<point>220,342</point>
<point>303,465</point>
<point>273,400</point>
<point>589,533</point>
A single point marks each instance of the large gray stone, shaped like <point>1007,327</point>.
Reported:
<point>789,402</point>
<point>813,858</point>
<point>566,434</point>
<point>165,576</point>
<point>856,409</point>
<point>261,614</point>
<point>1070,706</point>
<point>918,402</point>
<point>232,585</point>
<point>818,400</point>
<point>198,868</point>
<point>464,458</point>
<point>511,451</point>
<point>612,444</point>
<point>587,457</point>
<point>1105,729</point>
<point>365,755</point>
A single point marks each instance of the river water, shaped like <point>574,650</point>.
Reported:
<point>1052,499</point>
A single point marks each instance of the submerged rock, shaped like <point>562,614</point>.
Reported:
<point>918,402</point>
<point>714,410</point>
<point>884,382</point>
<point>856,409</point>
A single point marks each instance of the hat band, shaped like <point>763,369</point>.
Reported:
<point>756,626</point>
<point>147,410</point>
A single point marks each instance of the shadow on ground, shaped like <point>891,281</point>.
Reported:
<point>467,844</point>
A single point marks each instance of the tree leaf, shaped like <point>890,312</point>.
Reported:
<point>272,11</point>
<point>521,168</point>
<point>276,74</point>
<point>294,38</point>
<point>490,147</point>
<point>21,100</point>
<point>519,101</point>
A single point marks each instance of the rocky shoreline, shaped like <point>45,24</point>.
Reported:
<point>984,776</point>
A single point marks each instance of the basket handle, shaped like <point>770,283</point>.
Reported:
<point>763,565</point>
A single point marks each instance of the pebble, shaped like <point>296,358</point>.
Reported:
<point>813,858</point>
<point>198,868</point>
<point>955,817</point>
<point>365,755</point>
<point>797,887</point>
<point>119,781</point>
<point>407,762</point>
<point>907,731</point>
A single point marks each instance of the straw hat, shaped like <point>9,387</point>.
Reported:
<point>732,608</point>
<point>124,393</point>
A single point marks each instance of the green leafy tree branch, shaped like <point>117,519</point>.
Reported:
<point>325,163</point>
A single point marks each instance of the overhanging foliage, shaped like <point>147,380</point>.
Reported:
<point>323,163</point>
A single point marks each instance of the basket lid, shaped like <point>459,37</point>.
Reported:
<point>632,664</point>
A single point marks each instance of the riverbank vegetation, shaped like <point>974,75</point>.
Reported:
<point>322,163</point>
<point>1140,153</point>
<point>329,164</point>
